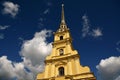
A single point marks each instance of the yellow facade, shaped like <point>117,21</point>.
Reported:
<point>63,62</point>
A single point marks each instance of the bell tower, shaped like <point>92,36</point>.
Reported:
<point>63,62</point>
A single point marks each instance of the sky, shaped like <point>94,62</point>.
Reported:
<point>26,29</point>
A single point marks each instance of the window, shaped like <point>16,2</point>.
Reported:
<point>61,37</point>
<point>61,71</point>
<point>61,51</point>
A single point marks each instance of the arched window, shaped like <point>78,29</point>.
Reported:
<point>61,37</point>
<point>61,71</point>
<point>61,51</point>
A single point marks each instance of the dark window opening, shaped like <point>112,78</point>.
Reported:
<point>61,51</point>
<point>61,37</point>
<point>61,71</point>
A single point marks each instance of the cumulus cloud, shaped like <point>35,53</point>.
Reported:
<point>118,78</point>
<point>109,69</point>
<point>33,53</point>
<point>10,8</point>
<point>35,50</point>
<point>3,27</point>
<point>10,70</point>
<point>87,30</point>
<point>6,68</point>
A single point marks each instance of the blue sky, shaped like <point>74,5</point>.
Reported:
<point>94,26</point>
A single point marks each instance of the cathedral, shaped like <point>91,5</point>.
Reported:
<point>63,63</point>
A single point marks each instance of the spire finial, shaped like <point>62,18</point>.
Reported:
<point>62,15</point>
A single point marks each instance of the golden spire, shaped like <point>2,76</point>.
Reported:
<point>63,26</point>
<point>62,15</point>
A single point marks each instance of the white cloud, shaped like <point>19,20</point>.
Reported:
<point>3,27</point>
<point>21,73</point>
<point>35,50</point>
<point>33,53</point>
<point>10,70</point>
<point>1,36</point>
<point>6,68</point>
<point>10,8</point>
<point>109,69</point>
<point>97,32</point>
<point>86,26</point>
<point>118,78</point>
<point>87,30</point>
